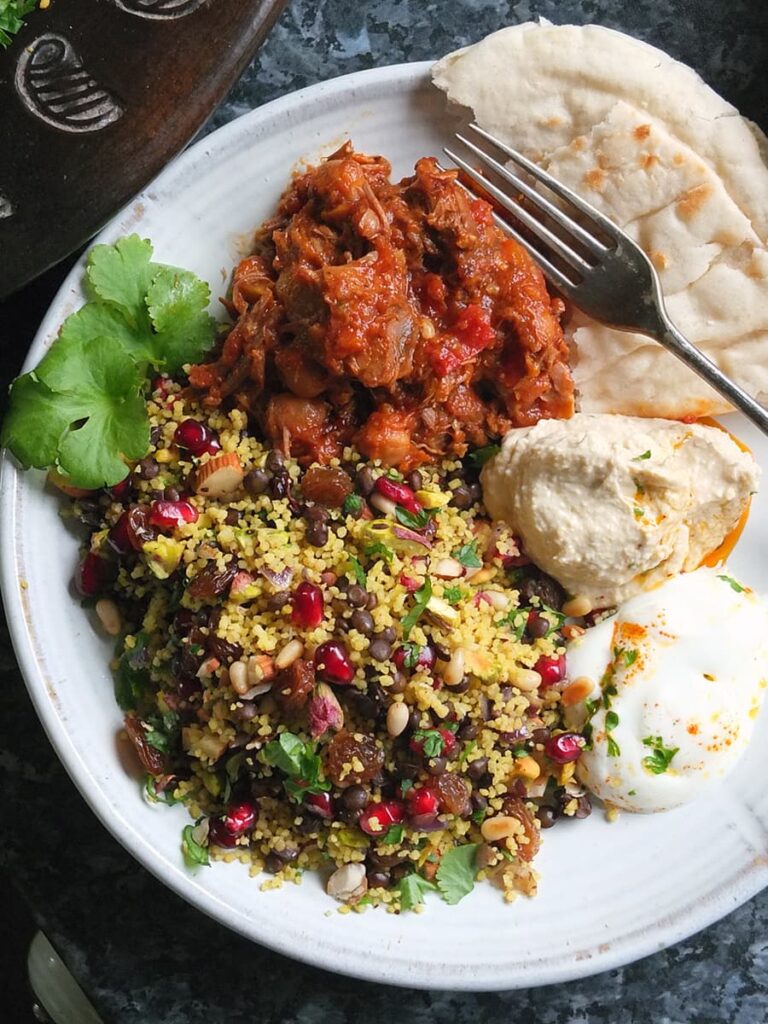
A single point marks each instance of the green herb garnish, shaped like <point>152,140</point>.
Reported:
<point>412,890</point>
<point>81,410</point>
<point>12,14</point>
<point>480,456</point>
<point>456,873</point>
<point>478,816</point>
<point>411,655</point>
<point>432,741</point>
<point>164,796</point>
<point>194,853</point>
<point>358,571</point>
<point>414,521</point>
<point>352,505</point>
<point>614,750</point>
<point>453,595</point>
<point>643,457</point>
<point>132,682</point>
<point>732,583</point>
<point>164,730</point>
<point>629,657</point>
<point>394,834</point>
<point>422,597</point>
<point>379,550</point>
<point>660,757</point>
<point>611,721</point>
<point>468,556</point>
<point>638,512</point>
<point>300,762</point>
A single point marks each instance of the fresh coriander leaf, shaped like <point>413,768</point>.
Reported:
<point>132,682</point>
<point>641,458</point>
<point>456,873</point>
<point>629,657</point>
<point>405,785</point>
<point>614,750</point>
<point>12,13</point>
<point>412,890</point>
<point>632,792</point>
<point>411,654</point>
<point>93,320</point>
<point>393,474</point>
<point>480,456</point>
<point>453,595</point>
<point>121,274</point>
<point>194,853</point>
<point>468,556</point>
<point>379,550</point>
<point>394,834</point>
<point>358,571</point>
<point>285,753</point>
<point>517,620</point>
<point>34,423</point>
<point>422,597</point>
<point>591,707</point>
<point>162,797</point>
<point>732,583</point>
<point>478,816</point>
<point>352,505</point>
<point>301,764</point>
<point>469,748</point>
<point>660,757</point>
<point>431,740</point>
<point>413,521</point>
<point>163,731</point>
<point>638,486</point>
<point>611,721</point>
<point>558,617</point>
<point>177,302</point>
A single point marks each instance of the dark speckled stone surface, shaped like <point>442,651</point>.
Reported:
<point>141,953</point>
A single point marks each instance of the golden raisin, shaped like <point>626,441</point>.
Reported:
<point>516,808</point>
<point>352,759</point>
<point>327,485</point>
<point>453,793</point>
<point>294,684</point>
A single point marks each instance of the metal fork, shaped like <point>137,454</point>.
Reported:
<point>614,282</point>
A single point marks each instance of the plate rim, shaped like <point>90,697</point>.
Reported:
<point>727,897</point>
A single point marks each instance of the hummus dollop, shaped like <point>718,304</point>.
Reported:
<point>612,505</point>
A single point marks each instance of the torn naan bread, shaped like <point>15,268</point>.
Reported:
<point>643,139</point>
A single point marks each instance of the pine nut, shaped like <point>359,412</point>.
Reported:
<point>577,691</point>
<point>109,616</point>
<point>238,677</point>
<point>454,672</point>
<point>526,679</point>
<point>397,719</point>
<point>500,827</point>
<point>292,651</point>
<point>577,607</point>
<point>527,768</point>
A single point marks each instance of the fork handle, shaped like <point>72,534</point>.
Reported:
<point>671,338</point>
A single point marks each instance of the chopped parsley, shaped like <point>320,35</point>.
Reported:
<point>453,595</point>
<point>468,556</point>
<point>155,796</point>
<point>299,762</point>
<point>393,835</point>
<point>164,730</point>
<point>412,890</point>
<point>517,620</point>
<point>478,816</point>
<point>358,571</point>
<point>432,742</point>
<point>643,457</point>
<point>82,409</point>
<point>352,505</point>
<point>614,750</point>
<point>457,872</point>
<point>422,597</point>
<point>413,520</point>
<point>611,721</point>
<point>630,657</point>
<point>379,550</point>
<point>12,14</point>
<point>132,682</point>
<point>480,456</point>
<point>660,758</point>
<point>411,654</point>
<point>732,583</point>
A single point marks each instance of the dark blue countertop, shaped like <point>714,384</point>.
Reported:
<point>140,952</point>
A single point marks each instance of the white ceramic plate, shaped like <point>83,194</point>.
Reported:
<point>609,893</point>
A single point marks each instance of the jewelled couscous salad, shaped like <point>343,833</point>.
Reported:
<point>327,648</point>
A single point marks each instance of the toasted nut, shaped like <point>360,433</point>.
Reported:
<point>292,651</point>
<point>432,499</point>
<point>442,611</point>
<point>497,600</point>
<point>397,718</point>
<point>454,671</point>
<point>577,607</point>
<point>577,691</point>
<point>570,632</point>
<point>527,768</point>
<point>109,616</point>
<point>347,883</point>
<point>238,677</point>
<point>220,477</point>
<point>447,569</point>
<point>526,679</point>
<point>382,504</point>
<point>208,667</point>
<point>479,575</point>
<point>500,827</point>
<point>62,484</point>
<point>260,668</point>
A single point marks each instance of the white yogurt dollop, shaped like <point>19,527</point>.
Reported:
<point>683,670</point>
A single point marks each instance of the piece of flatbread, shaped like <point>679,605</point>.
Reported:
<point>643,139</point>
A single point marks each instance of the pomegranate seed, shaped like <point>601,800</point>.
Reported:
<point>376,818</point>
<point>121,490</point>
<point>551,670</point>
<point>399,493</point>
<point>219,836</point>
<point>196,438</point>
<point>307,606</point>
<point>168,515</point>
<point>320,804</point>
<point>422,800</point>
<point>449,743</point>
<point>333,664</point>
<point>238,818</point>
<point>121,535</point>
<point>94,574</point>
<point>406,658</point>
<point>565,747</point>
